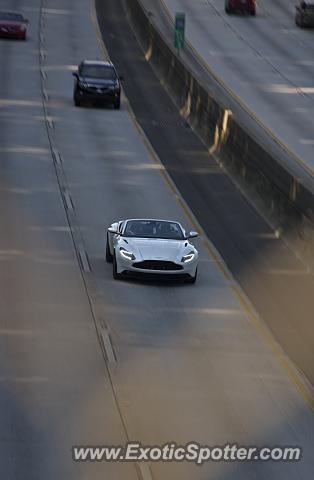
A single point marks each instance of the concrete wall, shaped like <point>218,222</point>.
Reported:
<point>266,171</point>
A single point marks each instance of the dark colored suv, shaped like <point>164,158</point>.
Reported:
<point>304,15</point>
<point>97,82</point>
<point>248,6</point>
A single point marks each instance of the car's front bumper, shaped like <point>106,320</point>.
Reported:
<point>18,34</point>
<point>182,270</point>
<point>156,276</point>
<point>109,96</point>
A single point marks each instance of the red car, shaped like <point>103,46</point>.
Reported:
<point>248,6</point>
<point>13,25</point>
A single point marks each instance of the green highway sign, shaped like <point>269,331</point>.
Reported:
<point>179,31</point>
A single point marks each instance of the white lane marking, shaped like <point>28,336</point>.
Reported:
<point>45,95</point>
<point>106,341</point>
<point>56,157</point>
<point>83,259</point>
<point>68,200</point>
<point>50,122</point>
<point>145,471</point>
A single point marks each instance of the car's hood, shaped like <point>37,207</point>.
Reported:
<point>98,81</point>
<point>155,249</point>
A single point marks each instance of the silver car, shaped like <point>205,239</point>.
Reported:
<point>153,248</point>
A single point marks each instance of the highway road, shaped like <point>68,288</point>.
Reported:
<point>55,390</point>
<point>277,282</point>
<point>266,61</point>
<point>187,362</point>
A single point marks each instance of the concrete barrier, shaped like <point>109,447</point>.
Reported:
<point>283,189</point>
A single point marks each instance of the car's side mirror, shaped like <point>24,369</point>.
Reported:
<point>113,230</point>
<point>192,235</point>
<point>26,20</point>
<point>75,74</point>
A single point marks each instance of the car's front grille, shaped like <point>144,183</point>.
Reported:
<point>157,265</point>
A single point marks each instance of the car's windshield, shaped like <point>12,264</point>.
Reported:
<point>308,6</point>
<point>153,229</point>
<point>98,71</point>
<point>11,17</point>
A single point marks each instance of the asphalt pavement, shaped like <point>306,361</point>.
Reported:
<point>276,281</point>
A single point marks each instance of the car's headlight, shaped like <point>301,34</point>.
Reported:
<point>83,85</point>
<point>114,87</point>
<point>188,257</point>
<point>126,254</point>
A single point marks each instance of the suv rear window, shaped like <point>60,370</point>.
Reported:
<point>98,71</point>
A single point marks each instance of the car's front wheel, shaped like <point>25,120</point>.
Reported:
<point>109,256</point>
<point>115,273</point>
<point>77,102</point>
<point>117,104</point>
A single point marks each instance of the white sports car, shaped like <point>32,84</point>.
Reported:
<point>151,248</point>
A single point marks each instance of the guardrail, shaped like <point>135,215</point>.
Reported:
<point>265,171</point>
